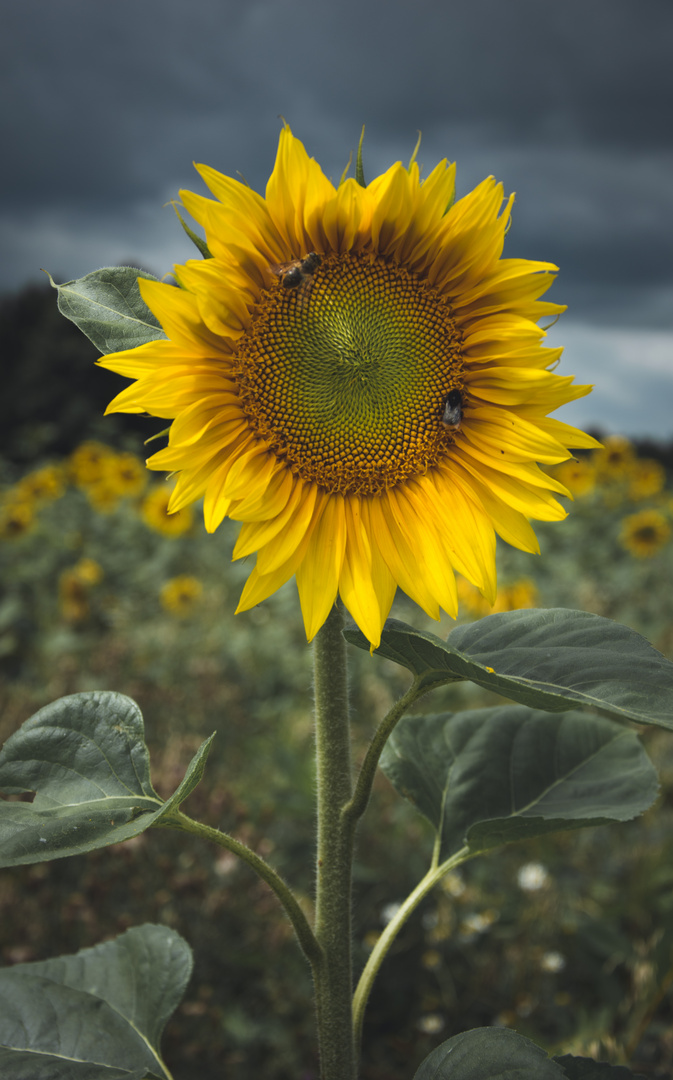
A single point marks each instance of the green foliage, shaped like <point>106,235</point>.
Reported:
<point>86,759</point>
<point>107,306</point>
<point>492,776</point>
<point>97,1015</point>
<point>581,959</point>
<point>488,1054</point>
<point>544,659</point>
<point>580,1068</point>
<point>493,1054</point>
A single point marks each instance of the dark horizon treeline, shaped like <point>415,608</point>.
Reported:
<point>54,396</point>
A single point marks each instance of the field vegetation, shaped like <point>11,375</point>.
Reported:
<point>567,939</point>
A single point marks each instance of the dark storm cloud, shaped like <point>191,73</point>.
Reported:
<point>103,96</point>
<point>569,104</point>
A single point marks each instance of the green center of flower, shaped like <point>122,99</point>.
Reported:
<point>346,371</point>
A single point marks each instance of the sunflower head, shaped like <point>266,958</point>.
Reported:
<point>578,475</point>
<point>646,478</point>
<point>154,512</point>
<point>644,534</point>
<point>42,485</point>
<point>357,376</point>
<point>181,595</point>
<point>16,518</point>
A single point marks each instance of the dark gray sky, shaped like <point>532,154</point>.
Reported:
<point>569,104</point>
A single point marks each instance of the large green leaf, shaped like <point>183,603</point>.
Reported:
<point>96,1015</point>
<point>548,659</point>
<point>86,759</point>
<point>581,1068</point>
<point>488,1054</point>
<point>107,306</point>
<point>491,776</point>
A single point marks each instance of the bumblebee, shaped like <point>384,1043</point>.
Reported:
<point>453,410</point>
<point>293,274</point>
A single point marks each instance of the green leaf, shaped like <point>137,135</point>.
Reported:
<point>99,1013</point>
<point>547,659</point>
<point>197,241</point>
<point>359,167</point>
<point>488,1054</point>
<point>492,776</point>
<point>192,777</point>
<point>107,306</point>
<point>86,759</point>
<point>581,1068</point>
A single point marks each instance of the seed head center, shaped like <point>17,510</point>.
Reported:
<point>345,372</point>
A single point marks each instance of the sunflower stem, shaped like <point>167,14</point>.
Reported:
<point>305,935</point>
<point>380,950</point>
<point>333,974</point>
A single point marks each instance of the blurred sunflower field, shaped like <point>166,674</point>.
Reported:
<point>567,939</point>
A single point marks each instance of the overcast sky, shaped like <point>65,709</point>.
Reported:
<point>570,104</point>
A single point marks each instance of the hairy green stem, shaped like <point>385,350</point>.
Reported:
<point>333,974</point>
<point>433,876</point>
<point>305,935</point>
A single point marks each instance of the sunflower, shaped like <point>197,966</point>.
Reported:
<point>180,595</point>
<point>645,533</point>
<point>154,512</point>
<point>42,485</point>
<point>521,593</point>
<point>357,376</point>
<point>17,517</point>
<point>614,460</point>
<point>578,475</point>
<point>647,478</point>
<point>88,572</point>
<point>126,474</point>
<point>74,588</point>
<point>88,463</point>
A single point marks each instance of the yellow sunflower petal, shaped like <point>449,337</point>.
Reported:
<point>259,586</point>
<point>265,501</point>
<point>296,185</point>
<point>564,433</point>
<point>507,437</point>
<point>367,599</point>
<point>276,540</point>
<point>390,538</point>
<point>415,513</point>
<point>242,203</point>
<point>320,569</point>
<point>466,530</point>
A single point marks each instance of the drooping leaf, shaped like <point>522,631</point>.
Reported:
<point>192,777</point>
<point>581,1068</point>
<point>107,306</point>
<point>359,167</point>
<point>547,659</point>
<point>488,1054</point>
<point>492,776</point>
<point>99,1013</point>
<point>85,758</point>
<point>198,242</point>
<point>22,1065</point>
